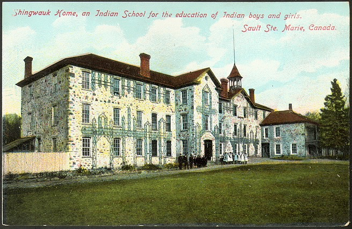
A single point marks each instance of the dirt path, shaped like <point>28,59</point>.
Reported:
<point>33,183</point>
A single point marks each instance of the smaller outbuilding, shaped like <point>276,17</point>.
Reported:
<point>289,133</point>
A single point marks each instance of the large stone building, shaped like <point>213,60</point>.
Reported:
<point>105,113</point>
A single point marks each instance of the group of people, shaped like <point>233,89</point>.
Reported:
<point>191,161</point>
<point>234,158</point>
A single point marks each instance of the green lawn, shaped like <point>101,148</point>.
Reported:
<point>254,194</point>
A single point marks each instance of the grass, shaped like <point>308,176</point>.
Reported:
<point>264,194</point>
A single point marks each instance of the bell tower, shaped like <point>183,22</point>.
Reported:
<point>235,78</point>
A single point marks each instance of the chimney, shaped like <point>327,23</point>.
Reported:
<point>144,70</point>
<point>290,106</point>
<point>224,87</point>
<point>251,95</point>
<point>27,66</point>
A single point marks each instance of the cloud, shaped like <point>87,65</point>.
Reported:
<point>11,100</point>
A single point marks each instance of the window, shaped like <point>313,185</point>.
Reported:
<point>30,91</point>
<point>221,148</point>
<point>86,147</point>
<point>154,121</point>
<point>139,147</point>
<point>54,145</point>
<point>55,86</point>
<point>85,113</point>
<point>235,148</point>
<point>167,97</point>
<point>206,122</point>
<point>244,130</point>
<point>235,129</point>
<point>277,132</point>
<point>39,144</point>
<point>86,80</point>
<point>234,110</point>
<point>168,123</point>
<point>139,91</point>
<point>277,149</point>
<point>294,148</point>
<point>184,97</point>
<point>168,148</point>
<point>184,147</point>
<point>266,132</point>
<point>184,121</point>
<point>139,119</point>
<point>116,116</point>
<point>220,128</point>
<point>153,94</point>
<point>154,148</point>
<point>245,149</point>
<point>116,86</point>
<point>256,115</point>
<point>245,112</point>
<point>220,108</point>
<point>116,146</point>
<point>206,98</point>
<point>54,116</point>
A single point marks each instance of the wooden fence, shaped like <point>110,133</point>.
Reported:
<point>34,162</point>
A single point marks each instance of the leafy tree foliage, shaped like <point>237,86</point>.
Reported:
<point>335,123</point>
<point>314,115</point>
<point>11,128</point>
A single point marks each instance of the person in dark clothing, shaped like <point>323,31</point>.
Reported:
<point>191,161</point>
<point>180,159</point>
<point>185,161</point>
<point>198,161</point>
<point>205,161</point>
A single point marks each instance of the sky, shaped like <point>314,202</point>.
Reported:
<point>294,65</point>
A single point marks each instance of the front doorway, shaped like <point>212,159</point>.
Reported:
<point>266,150</point>
<point>208,149</point>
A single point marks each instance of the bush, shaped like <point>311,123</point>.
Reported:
<point>150,167</point>
<point>127,167</point>
<point>289,157</point>
<point>83,171</point>
<point>171,165</point>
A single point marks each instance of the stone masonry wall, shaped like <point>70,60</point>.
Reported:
<point>102,130</point>
<point>37,110</point>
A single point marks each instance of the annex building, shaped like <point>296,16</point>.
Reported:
<point>103,113</point>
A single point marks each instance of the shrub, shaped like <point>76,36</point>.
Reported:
<point>127,167</point>
<point>171,165</point>
<point>150,167</point>
<point>83,171</point>
<point>289,157</point>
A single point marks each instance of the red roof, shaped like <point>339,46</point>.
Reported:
<point>234,73</point>
<point>99,63</point>
<point>232,93</point>
<point>285,117</point>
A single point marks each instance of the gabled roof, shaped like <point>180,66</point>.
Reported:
<point>193,77</point>
<point>235,92</point>
<point>285,117</point>
<point>16,143</point>
<point>106,65</point>
<point>234,72</point>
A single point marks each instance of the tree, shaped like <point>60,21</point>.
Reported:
<point>11,124</point>
<point>313,115</point>
<point>334,128</point>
